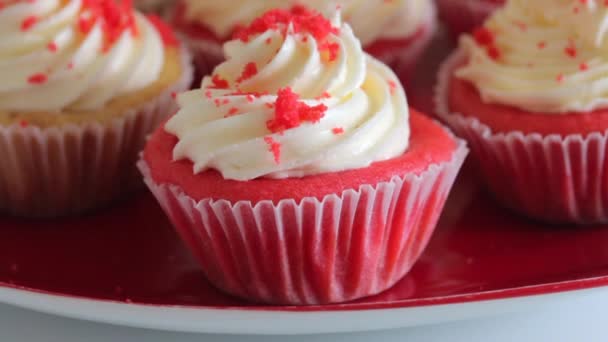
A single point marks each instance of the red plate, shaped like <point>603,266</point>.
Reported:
<point>131,254</point>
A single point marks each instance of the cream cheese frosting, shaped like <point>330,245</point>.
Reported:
<point>370,19</point>
<point>287,103</point>
<point>548,56</point>
<point>74,54</point>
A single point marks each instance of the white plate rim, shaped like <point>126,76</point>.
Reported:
<point>236,321</point>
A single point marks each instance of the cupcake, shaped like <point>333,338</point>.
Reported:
<point>394,31</point>
<point>528,90</point>
<point>462,16</point>
<point>82,84</point>
<point>297,174</point>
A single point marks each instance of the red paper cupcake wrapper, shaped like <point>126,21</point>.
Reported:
<point>343,247</point>
<point>464,15</point>
<point>71,169</point>
<point>553,178</point>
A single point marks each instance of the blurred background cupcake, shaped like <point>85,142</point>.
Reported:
<point>462,16</point>
<point>529,91</point>
<point>82,84</point>
<point>297,174</point>
<point>156,6</point>
<point>394,31</point>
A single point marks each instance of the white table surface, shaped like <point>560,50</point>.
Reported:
<point>581,319</point>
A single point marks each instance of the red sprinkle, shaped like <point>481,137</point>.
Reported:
<point>275,148</point>
<point>219,83</point>
<point>483,36</point>
<point>571,51</point>
<point>290,112</point>
<point>29,22</point>
<point>39,78</point>
<point>249,71</point>
<point>52,46</point>
<point>232,112</point>
<point>115,16</point>
<point>493,52</point>
<point>302,19</point>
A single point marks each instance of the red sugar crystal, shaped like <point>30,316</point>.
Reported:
<point>302,19</point>
<point>39,78</point>
<point>219,83</point>
<point>290,112</point>
<point>249,71</point>
<point>275,148</point>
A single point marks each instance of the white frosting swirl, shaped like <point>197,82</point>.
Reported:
<point>366,118</point>
<point>51,65</point>
<point>380,19</point>
<point>551,56</point>
<point>370,19</point>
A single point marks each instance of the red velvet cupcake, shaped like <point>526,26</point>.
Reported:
<point>529,95</point>
<point>296,174</point>
<point>462,16</point>
<point>396,32</point>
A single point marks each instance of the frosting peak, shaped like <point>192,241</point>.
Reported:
<point>74,54</point>
<point>370,19</point>
<point>542,56</point>
<point>297,96</point>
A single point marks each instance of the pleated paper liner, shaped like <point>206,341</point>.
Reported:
<point>553,178</point>
<point>346,246</point>
<point>72,169</point>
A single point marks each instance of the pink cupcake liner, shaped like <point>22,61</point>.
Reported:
<point>553,178</point>
<point>463,16</point>
<point>71,169</point>
<point>343,247</point>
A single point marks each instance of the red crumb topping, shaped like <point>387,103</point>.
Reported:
<point>290,112</point>
<point>570,50</point>
<point>29,22</point>
<point>249,71</point>
<point>338,130</point>
<point>275,148</point>
<point>52,46</point>
<point>232,112</point>
<point>23,123</point>
<point>166,34</point>
<point>39,78</point>
<point>219,83</point>
<point>115,17</point>
<point>302,19</point>
<point>484,37</point>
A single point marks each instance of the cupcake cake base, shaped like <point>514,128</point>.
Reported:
<point>315,240</point>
